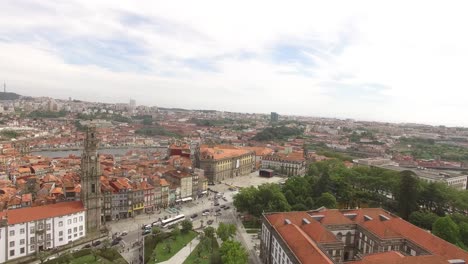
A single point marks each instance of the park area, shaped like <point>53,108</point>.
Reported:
<point>204,253</point>
<point>161,246</point>
<point>90,256</point>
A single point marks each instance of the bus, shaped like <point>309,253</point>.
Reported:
<point>172,221</point>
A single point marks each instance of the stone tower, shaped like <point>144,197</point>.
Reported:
<point>90,182</point>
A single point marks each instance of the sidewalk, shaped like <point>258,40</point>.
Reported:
<point>183,253</point>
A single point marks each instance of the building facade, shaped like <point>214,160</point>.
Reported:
<point>289,164</point>
<point>220,163</point>
<point>26,231</point>
<point>361,236</point>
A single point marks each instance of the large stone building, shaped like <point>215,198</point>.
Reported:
<point>289,164</point>
<point>25,231</point>
<point>90,181</point>
<point>361,236</point>
<point>224,162</point>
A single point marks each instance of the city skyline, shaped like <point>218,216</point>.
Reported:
<point>359,60</point>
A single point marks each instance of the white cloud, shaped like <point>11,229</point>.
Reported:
<point>232,55</point>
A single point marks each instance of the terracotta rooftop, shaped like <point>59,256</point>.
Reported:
<point>219,152</point>
<point>29,214</point>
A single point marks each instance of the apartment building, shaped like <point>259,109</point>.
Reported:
<point>24,231</point>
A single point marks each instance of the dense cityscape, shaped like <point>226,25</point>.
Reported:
<point>129,183</point>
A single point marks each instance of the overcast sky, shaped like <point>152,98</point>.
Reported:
<point>372,60</point>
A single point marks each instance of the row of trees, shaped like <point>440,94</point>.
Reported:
<point>331,184</point>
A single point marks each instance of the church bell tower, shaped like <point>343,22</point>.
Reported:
<point>90,181</point>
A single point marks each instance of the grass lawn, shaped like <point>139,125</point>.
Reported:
<point>162,254</point>
<point>204,256</point>
<point>88,259</point>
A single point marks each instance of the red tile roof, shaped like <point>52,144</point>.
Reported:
<point>29,214</point>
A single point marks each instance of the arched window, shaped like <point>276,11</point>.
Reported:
<point>339,236</point>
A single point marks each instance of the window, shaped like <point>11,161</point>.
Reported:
<point>69,231</point>
<point>48,236</point>
<point>93,187</point>
<point>81,218</point>
<point>22,250</point>
<point>81,228</point>
<point>21,231</point>
<point>81,233</point>
<point>69,221</point>
<point>75,229</point>
<point>61,239</point>
<point>12,243</point>
<point>12,253</point>
<point>60,223</point>
<point>22,241</point>
<point>33,247</point>
<point>75,220</point>
<point>48,226</point>
<point>75,235</point>
<point>12,232</point>
<point>61,233</point>
<point>48,244</point>
<point>32,230</point>
<point>69,237</point>
<point>32,240</point>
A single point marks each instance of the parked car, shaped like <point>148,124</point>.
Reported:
<point>227,207</point>
<point>206,213</point>
<point>217,210</point>
<point>224,199</point>
<point>146,227</point>
<point>216,204</point>
<point>146,232</point>
<point>209,222</point>
<point>222,206</point>
<point>206,210</point>
<point>96,243</point>
<point>115,242</point>
<point>218,214</point>
<point>194,215</point>
<point>124,233</point>
<point>87,246</point>
<point>118,238</point>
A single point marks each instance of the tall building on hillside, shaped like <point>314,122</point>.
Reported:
<point>274,117</point>
<point>90,181</point>
<point>361,236</point>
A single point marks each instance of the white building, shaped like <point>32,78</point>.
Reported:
<point>26,230</point>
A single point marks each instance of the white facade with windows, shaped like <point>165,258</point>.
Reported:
<point>21,238</point>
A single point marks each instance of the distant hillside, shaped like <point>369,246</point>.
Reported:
<point>9,96</point>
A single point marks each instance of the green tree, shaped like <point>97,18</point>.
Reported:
<point>155,230</point>
<point>186,226</point>
<point>446,229</point>
<point>327,200</point>
<point>168,246</point>
<point>175,232</point>
<point>265,198</point>
<point>423,219</point>
<point>106,243</point>
<point>408,194</point>
<point>232,252</point>
<point>209,232</point>
<point>95,253</point>
<point>42,256</point>
<point>226,231</point>
<point>463,227</point>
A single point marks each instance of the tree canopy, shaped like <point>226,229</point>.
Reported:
<point>232,252</point>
